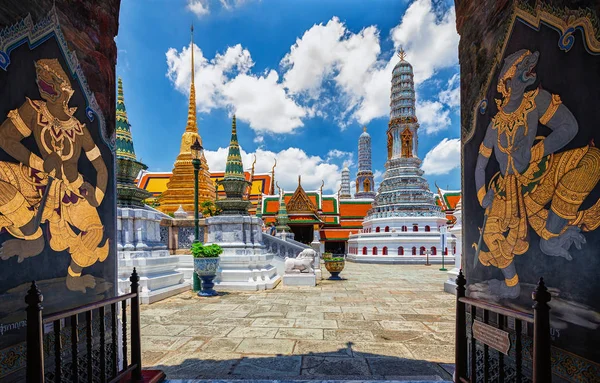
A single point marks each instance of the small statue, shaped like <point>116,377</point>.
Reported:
<point>302,263</point>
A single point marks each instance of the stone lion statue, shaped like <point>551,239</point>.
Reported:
<point>302,263</point>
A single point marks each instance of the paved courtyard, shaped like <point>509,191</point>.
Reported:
<point>383,322</point>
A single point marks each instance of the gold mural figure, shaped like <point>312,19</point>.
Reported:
<point>49,188</point>
<point>532,175</point>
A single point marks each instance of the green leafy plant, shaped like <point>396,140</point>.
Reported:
<point>327,255</point>
<point>209,251</point>
<point>210,209</point>
<point>335,259</point>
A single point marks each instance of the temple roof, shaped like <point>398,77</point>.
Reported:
<point>300,203</point>
<point>124,139</point>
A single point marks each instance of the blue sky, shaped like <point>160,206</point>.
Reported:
<point>302,76</point>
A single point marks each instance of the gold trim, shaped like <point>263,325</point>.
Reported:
<point>510,282</point>
<point>77,183</point>
<point>18,122</point>
<point>537,152</point>
<point>13,205</point>
<point>481,194</point>
<point>549,113</point>
<point>485,151</point>
<point>72,273</point>
<point>35,162</point>
<point>93,153</point>
<point>545,234</point>
<point>99,195</point>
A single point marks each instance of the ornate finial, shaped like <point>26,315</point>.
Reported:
<point>234,167</point>
<point>299,180</point>
<point>540,295</point>
<point>273,176</point>
<point>401,53</point>
<point>364,128</point>
<point>34,297</point>
<point>124,140</point>
<point>192,48</point>
<point>233,125</point>
<point>321,188</point>
<point>192,125</point>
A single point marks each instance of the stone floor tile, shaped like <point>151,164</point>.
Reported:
<point>315,323</point>
<point>267,367</point>
<point>150,358</point>
<point>348,335</point>
<point>221,345</point>
<point>344,316</point>
<point>433,352</point>
<point>220,307</point>
<point>374,349</point>
<point>266,314</point>
<point>163,342</point>
<point>273,322</point>
<point>358,325</point>
<point>399,336</point>
<point>253,332</point>
<point>305,315</point>
<point>209,331</point>
<point>399,367</point>
<point>402,325</point>
<point>167,330</point>
<point>324,309</point>
<point>266,346</point>
<point>380,317</point>
<point>441,326</point>
<point>323,348</point>
<point>359,309</point>
<point>300,333</point>
<point>232,322</point>
<point>332,366</point>
<point>229,314</point>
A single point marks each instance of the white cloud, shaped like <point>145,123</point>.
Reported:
<point>329,71</point>
<point>432,116</point>
<point>291,162</point>
<point>451,95</point>
<point>225,82</point>
<point>443,158</point>
<point>198,7</point>
<point>430,41</point>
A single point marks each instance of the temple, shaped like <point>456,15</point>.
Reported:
<point>365,185</point>
<point>404,222</point>
<point>180,188</point>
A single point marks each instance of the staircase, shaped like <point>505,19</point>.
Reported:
<point>283,248</point>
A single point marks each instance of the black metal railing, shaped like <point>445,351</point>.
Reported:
<point>110,370</point>
<point>474,361</point>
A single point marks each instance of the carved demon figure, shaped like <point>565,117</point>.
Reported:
<point>536,186</point>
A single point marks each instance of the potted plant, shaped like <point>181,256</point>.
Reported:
<point>327,255</point>
<point>334,265</point>
<point>206,262</point>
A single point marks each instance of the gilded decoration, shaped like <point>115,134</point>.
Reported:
<point>532,172</point>
<point>300,203</point>
<point>50,189</point>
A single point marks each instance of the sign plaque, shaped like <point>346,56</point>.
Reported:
<point>491,336</point>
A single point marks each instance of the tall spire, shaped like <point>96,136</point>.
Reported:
<point>234,167</point>
<point>192,125</point>
<point>124,139</point>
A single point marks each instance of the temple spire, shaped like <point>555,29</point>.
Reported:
<point>124,139</point>
<point>234,167</point>
<point>192,125</point>
<point>401,54</point>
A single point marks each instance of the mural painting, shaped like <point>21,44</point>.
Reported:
<point>57,203</point>
<point>531,169</point>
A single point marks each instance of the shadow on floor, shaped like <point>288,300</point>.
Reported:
<point>342,364</point>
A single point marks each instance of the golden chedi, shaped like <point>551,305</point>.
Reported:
<point>180,189</point>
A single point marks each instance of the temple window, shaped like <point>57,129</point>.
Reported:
<point>415,228</point>
<point>427,228</point>
<point>384,251</point>
<point>422,250</point>
<point>387,229</point>
<point>365,250</point>
<point>400,250</point>
<point>377,229</point>
<point>374,250</point>
<point>414,250</point>
<point>433,250</point>
<point>404,228</point>
<point>454,250</point>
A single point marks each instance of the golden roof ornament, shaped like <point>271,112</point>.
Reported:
<point>401,54</point>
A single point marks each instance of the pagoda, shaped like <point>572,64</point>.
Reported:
<point>128,167</point>
<point>404,223</point>
<point>180,189</point>
<point>365,185</point>
<point>234,181</point>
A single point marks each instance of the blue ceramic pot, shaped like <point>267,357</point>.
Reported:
<point>206,269</point>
